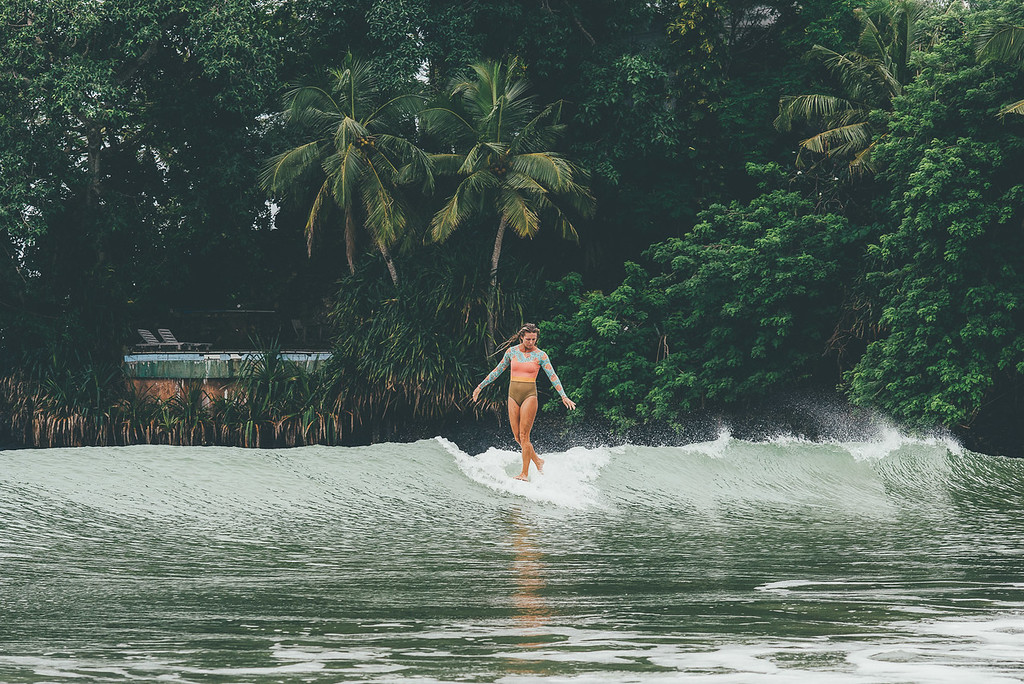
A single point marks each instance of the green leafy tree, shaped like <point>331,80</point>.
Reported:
<point>356,156</point>
<point>741,306</point>
<point>948,271</point>
<point>869,78</point>
<point>698,29</point>
<point>503,160</point>
<point>127,131</point>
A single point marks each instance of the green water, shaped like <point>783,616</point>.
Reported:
<point>896,560</point>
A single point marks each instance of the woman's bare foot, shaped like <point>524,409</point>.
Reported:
<point>539,463</point>
<point>521,477</point>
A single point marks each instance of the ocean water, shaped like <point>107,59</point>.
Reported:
<point>890,560</point>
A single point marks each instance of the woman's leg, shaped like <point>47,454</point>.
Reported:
<point>527,414</point>
<point>515,419</point>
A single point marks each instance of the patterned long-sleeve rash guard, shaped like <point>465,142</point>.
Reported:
<point>526,364</point>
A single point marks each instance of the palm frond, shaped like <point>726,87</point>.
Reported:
<point>579,198</point>
<point>893,82</point>
<point>847,117</point>
<point>447,164</point>
<point>309,96</point>
<point>320,207</point>
<point>416,165</point>
<point>832,60</point>
<point>345,169</point>
<point>525,183</point>
<point>809,108</point>
<point>385,218</point>
<point>837,140</point>
<point>479,157</point>
<point>496,98</point>
<point>862,160</point>
<point>851,69</point>
<point>856,75</point>
<point>567,228</point>
<point>461,205</point>
<point>402,106</point>
<point>541,132</point>
<point>871,41</point>
<point>547,168</point>
<point>477,95</point>
<point>390,154</point>
<point>282,170</point>
<point>1002,42</point>
<point>349,131</point>
<point>517,212</point>
<point>356,88</point>
<point>447,124</point>
<point>574,195</point>
<point>508,118</point>
<point>515,88</point>
<point>1015,108</point>
<point>918,35</point>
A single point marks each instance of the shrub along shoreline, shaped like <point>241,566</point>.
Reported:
<point>189,420</point>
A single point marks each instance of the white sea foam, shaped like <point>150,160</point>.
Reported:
<point>715,449</point>
<point>868,660</point>
<point>889,440</point>
<point>784,586</point>
<point>568,479</point>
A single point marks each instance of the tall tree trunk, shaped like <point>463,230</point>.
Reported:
<point>94,143</point>
<point>350,240</point>
<point>492,296</point>
<point>387,260</point>
<point>94,150</point>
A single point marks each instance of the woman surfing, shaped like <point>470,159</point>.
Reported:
<point>526,362</point>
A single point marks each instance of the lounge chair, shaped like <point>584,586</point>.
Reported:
<point>300,330</point>
<point>169,338</point>
<point>151,343</point>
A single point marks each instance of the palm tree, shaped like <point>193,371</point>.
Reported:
<point>1004,42</point>
<point>501,155</point>
<point>356,151</point>
<point>870,77</point>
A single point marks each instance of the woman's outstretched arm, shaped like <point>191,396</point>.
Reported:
<point>549,370</point>
<point>493,375</point>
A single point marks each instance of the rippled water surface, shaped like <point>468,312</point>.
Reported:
<point>897,560</point>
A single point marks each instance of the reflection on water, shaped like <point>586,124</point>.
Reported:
<point>532,612</point>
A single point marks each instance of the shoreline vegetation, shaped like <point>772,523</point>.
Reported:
<point>710,207</point>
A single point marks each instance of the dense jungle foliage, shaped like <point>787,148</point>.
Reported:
<point>705,203</point>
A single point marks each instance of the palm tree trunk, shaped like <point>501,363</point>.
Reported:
<point>350,240</point>
<point>492,296</point>
<point>387,260</point>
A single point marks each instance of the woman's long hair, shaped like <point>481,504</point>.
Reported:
<point>517,337</point>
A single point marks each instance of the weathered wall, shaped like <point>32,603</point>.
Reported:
<point>165,388</point>
<point>165,375</point>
